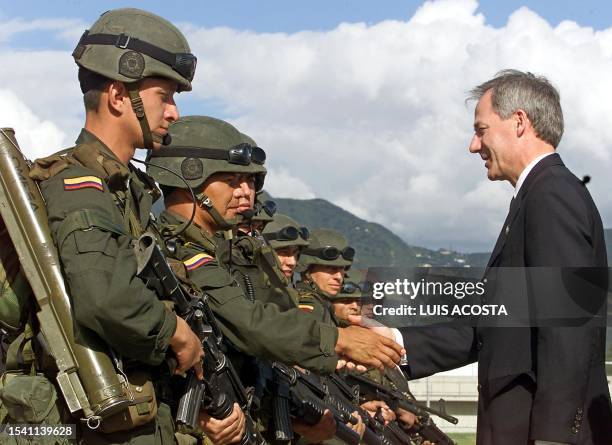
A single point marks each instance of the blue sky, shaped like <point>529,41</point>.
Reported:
<point>292,16</point>
<point>367,113</point>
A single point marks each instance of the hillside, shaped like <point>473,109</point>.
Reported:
<point>375,245</point>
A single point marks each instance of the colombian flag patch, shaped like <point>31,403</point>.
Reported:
<point>306,307</point>
<point>198,260</point>
<point>83,182</point>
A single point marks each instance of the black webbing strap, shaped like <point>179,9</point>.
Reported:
<point>124,41</point>
<point>191,152</point>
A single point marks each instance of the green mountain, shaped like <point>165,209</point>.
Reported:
<point>375,245</point>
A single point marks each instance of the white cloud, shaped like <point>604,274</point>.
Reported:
<point>280,183</point>
<point>36,137</point>
<point>373,116</point>
<point>68,30</point>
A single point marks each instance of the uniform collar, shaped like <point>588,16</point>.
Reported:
<point>193,233</point>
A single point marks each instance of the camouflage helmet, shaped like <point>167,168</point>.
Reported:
<point>327,248</point>
<point>202,146</point>
<point>284,231</point>
<point>131,44</point>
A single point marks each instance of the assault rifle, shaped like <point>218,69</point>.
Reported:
<point>384,433</point>
<point>221,387</point>
<point>300,396</point>
<point>424,429</point>
<point>303,395</point>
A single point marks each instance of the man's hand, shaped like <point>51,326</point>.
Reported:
<point>224,431</point>
<point>406,418</point>
<point>359,427</point>
<point>364,346</point>
<point>379,328</point>
<point>187,348</point>
<point>373,406</point>
<point>324,429</point>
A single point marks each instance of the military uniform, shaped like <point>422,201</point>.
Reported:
<point>255,266</point>
<point>316,302</point>
<point>261,330</point>
<point>96,204</point>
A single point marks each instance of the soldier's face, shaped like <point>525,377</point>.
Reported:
<point>231,193</point>
<point>288,258</point>
<point>158,100</point>
<point>494,140</point>
<point>328,278</point>
<point>345,307</point>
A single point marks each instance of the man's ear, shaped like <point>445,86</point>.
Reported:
<point>522,122</point>
<point>117,97</point>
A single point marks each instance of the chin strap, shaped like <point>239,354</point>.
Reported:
<point>222,223</point>
<point>147,137</point>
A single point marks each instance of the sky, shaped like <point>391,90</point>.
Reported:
<point>361,103</point>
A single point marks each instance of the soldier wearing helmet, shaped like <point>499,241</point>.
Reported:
<point>288,239</point>
<point>322,267</point>
<point>348,300</point>
<point>224,174</point>
<point>131,63</point>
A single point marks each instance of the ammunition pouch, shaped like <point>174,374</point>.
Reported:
<point>143,408</point>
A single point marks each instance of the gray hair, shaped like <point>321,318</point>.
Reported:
<point>512,90</point>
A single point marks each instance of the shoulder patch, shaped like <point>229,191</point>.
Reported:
<point>83,182</point>
<point>197,260</point>
<point>306,307</point>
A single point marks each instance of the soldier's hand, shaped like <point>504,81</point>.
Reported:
<point>359,427</point>
<point>224,431</point>
<point>324,429</point>
<point>187,348</point>
<point>406,418</point>
<point>373,406</point>
<point>364,346</point>
<point>349,365</point>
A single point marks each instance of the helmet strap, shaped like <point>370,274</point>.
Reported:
<point>139,111</point>
<point>222,223</point>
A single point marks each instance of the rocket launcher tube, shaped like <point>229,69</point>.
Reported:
<point>87,377</point>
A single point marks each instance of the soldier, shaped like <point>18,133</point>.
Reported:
<point>322,267</point>
<point>224,174</point>
<point>131,63</point>
<point>348,301</point>
<point>288,239</point>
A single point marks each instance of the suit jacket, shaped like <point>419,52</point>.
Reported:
<point>541,382</point>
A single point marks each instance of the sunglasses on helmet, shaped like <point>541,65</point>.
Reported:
<point>269,207</point>
<point>348,287</point>
<point>288,233</point>
<point>330,253</point>
<point>182,63</point>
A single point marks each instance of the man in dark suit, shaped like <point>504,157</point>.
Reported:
<point>545,382</point>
